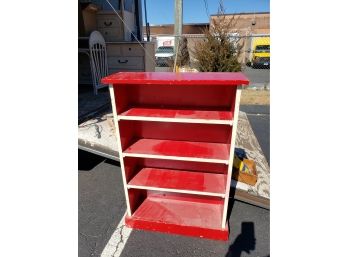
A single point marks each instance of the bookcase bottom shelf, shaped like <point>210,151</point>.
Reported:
<point>181,215</point>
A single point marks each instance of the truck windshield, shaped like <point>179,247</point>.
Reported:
<point>165,49</point>
<point>262,49</point>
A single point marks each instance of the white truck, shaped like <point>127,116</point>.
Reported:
<point>165,51</point>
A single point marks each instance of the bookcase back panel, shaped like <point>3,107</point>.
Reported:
<point>167,96</point>
<point>131,131</point>
<point>134,165</point>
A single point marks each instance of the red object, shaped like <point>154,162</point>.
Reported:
<point>186,133</point>
<point>200,183</point>
<point>175,137</point>
<point>190,97</point>
<point>178,79</point>
<point>220,116</point>
<point>133,165</point>
<point>167,43</point>
<point>183,215</point>
<point>215,152</point>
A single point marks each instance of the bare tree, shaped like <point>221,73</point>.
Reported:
<point>218,52</point>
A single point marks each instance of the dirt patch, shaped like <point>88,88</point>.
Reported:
<point>257,97</point>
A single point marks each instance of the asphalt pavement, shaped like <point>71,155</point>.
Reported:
<point>101,202</point>
<point>259,118</point>
<point>102,205</point>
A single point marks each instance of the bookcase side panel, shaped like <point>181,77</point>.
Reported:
<point>117,132</point>
<point>236,102</point>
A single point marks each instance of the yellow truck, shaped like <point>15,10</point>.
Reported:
<point>260,54</point>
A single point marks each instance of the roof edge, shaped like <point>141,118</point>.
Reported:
<point>240,13</point>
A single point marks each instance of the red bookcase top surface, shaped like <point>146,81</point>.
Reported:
<point>172,78</point>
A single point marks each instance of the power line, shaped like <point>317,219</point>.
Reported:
<point>206,8</point>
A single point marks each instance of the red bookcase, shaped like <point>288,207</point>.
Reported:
<point>176,135</point>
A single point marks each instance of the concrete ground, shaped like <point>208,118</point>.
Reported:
<point>102,205</point>
<point>259,78</point>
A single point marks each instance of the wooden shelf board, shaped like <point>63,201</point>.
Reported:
<point>231,79</point>
<point>180,215</point>
<point>179,150</point>
<point>178,115</point>
<point>189,182</point>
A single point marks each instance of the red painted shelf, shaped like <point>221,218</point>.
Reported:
<point>177,183</point>
<point>170,149</point>
<point>176,78</point>
<point>180,215</point>
<point>185,115</point>
<point>193,182</point>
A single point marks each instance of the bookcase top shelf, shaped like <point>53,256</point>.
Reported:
<point>178,115</point>
<point>178,79</point>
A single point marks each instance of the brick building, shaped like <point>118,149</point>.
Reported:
<point>249,23</point>
<point>168,29</point>
<point>245,24</point>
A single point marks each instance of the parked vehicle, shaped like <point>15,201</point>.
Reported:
<point>165,41</point>
<point>260,52</point>
<point>164,56</point>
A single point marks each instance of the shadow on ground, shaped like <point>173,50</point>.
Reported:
<point>88,161</point>
<point>245,241</point>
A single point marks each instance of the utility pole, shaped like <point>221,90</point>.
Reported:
<point>178,20</point>
<point>146,24</point>
<point>177,25</point>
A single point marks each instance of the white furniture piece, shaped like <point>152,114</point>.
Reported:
<point>98,59</point>
<point>110,57</point>
<point>112,27</point>
<point>130,56</point>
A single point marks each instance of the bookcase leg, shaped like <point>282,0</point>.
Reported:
<point>118,138</point>
<point>230,162</point>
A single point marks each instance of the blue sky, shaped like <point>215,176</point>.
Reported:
<point>194,11</point>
